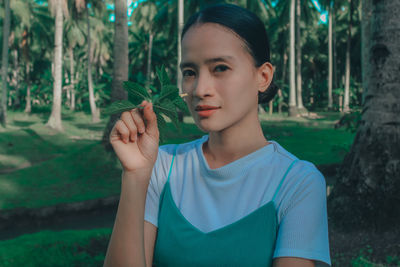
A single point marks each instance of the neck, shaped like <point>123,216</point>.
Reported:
<point>233,143</point>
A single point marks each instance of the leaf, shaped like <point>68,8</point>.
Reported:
<point>168,109</point>
<point>180,104</point>
<point>153,89</point>
<point>118,107</point>
<point>163,77</point>
<point>169,91</point>
<point>166,101</point>
<point>162,125</point>
<point>136,92</point>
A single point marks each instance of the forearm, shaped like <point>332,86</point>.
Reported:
<point>292,262</point>
<point>126,247</point>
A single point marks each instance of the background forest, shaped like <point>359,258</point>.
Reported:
<point>63,64</point>
<point>87,43</point>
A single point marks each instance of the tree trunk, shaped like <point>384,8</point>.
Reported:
<point>284,70</point>
<point>69,87</point>
<point>263,9</point>
<point>293,112</point>
<point>335,72</point>
<point>55,117</point>
<point>121,67</point>
<point>73,94</point>
<point>261,109</point>
<point>149,52</point>
<point>180,27</point>
<point>271,107</point>
<point>346,100</point>
<point>280,101</point>
<point>179,72</point>
<point>4,63</point>
<point>15,80</point>
<point>365,47</point>
<point>72,79</point>
<point>28,107</point>
<point>95,112</point>
<point>367,190</point>
<point>299,103</point>
<point>26,59</point>
<point>330,56</point>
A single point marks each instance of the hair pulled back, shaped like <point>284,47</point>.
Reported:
<point>247,26</point>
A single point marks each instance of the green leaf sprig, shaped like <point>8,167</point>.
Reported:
<point>166,101</point>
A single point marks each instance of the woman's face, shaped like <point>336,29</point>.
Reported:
<point>219,77</point>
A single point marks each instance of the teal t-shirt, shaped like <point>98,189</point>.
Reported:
<point>213,198</point>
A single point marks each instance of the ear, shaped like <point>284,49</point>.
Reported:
<point>264,75</point>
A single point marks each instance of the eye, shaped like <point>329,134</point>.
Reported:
<point>187,73</point>
<point>221,68</point>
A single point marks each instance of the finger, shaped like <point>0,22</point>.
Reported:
<point>126,117</point>
<point>151,120</point>
<point>138,120</point>
<point>122,131</point>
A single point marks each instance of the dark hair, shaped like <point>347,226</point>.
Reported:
<point>247,26</point>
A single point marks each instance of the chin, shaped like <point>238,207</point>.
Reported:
<point>208,126</point>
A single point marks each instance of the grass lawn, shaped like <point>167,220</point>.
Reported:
<point>43,167</point>
<point>56,249</point>
<point>314,140</point>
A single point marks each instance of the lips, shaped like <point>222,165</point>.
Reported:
<point>205,107</point>
<point>205,111</point>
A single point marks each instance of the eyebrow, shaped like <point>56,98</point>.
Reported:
<point>207,61</point>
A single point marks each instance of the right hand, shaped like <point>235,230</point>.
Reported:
<point>135,139</point>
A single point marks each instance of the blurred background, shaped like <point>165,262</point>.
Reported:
<point>64,61</point>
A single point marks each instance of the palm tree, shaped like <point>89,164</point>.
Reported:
<point>346,101</point>
<point>292,94</point>
<point>58,9</point>
<point>27,17</point>
<point>75,37</point>
<point>121,67</point>
<point>365,33</point>
<point>95,112</point>
<point>151,17</point>
<point>299,102</point>
<point>366,192</point>
<point>330,54</point>
<point>180,27</point>
<point>329,5</point>
<point>4,65</point>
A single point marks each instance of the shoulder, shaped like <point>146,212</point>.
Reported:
<point>297,170</point>
<point>302,181</point>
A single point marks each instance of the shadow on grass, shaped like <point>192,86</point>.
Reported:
<point>26,147</point>
<point>87,173</point>
<point>91,126</point>
<point>23,124</point>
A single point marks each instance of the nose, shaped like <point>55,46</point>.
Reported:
<point>203,86</point>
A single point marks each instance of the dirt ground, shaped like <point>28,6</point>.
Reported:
<point>376,249</point>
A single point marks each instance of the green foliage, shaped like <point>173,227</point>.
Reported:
<point>350,121</point>
<point>393,260</point>
<point>363,259</point>
<point>321,147</point>
<point>49,248</point>
<point>166,101</point>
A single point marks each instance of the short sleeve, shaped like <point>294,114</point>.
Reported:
<point>303,226</point>
<point>156,185</point>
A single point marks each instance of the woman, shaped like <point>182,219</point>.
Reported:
<point>231,198</point>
